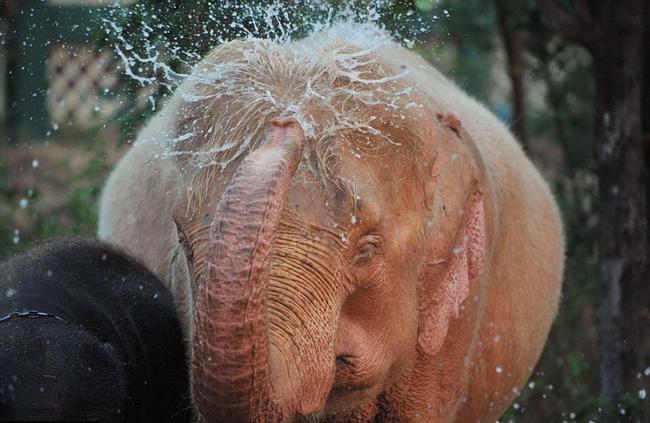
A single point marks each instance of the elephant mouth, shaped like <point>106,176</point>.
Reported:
<point>357,381</point>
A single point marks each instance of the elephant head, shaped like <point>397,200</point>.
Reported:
<point>332,222</point>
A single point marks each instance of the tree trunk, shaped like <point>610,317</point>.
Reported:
<point>623,214</point>
<point>555,99</point>
<point>513,40</point>
<point>643,360</point>
<point>613,30</point>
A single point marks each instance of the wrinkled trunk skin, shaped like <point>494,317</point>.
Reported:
<point>231,375</point>
<point>304,303</point>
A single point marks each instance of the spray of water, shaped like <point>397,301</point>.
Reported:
<point>329,81</point>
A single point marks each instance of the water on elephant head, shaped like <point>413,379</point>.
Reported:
<point>306,41</point>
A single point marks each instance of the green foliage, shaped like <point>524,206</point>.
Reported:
<point>74,213</point>
<point>472,35</point>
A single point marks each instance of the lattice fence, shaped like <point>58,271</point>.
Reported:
<point>81,85</point>
<point>56,76</point>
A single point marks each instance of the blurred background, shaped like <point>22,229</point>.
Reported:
<point>570,78</point>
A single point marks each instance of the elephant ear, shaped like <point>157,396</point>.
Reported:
<point>456,253</point>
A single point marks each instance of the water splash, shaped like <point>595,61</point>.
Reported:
<point>154,54</point>
<point>145,35</point>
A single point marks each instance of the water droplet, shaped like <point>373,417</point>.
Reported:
<point>531,385</point>
<point>23,203</point>
<point>10,292</point>
<point>499,369</point>
<point>35,163</point>
<point>572,415</point>
<point>642,394</point>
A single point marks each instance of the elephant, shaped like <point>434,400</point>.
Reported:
<point>89,334</point>
<point>348,235</point>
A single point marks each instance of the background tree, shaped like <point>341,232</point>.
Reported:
<point>614,33</point>
<point>511,20</point>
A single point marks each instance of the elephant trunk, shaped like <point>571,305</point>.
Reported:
<point>231,376</point>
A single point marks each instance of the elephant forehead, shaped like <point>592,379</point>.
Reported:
<point>360,193</point>
<point>307,198</point>
<point>315,201</point>
<point>344,104</point>
<point>321,190</point>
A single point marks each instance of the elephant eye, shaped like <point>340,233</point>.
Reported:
<point>369,247</point>
<point>183,240</point>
